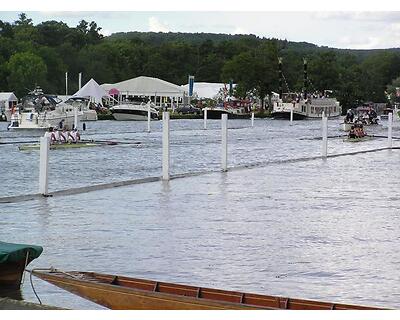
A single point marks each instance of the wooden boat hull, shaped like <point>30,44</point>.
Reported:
<point>117,292</point>
<point>11,274</point>
<point>14,258</point>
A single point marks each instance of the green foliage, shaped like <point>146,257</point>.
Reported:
<point>393,90</point>
<point>26,70</point>
<point>42,54</point>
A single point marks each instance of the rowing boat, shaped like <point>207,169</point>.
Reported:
<point>124,293</point>
<point>13,260</point>
<point>358,139</point>
<point>36,146</point>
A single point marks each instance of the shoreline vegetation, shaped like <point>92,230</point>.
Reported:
<point>41,54</point>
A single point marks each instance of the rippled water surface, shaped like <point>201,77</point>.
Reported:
<point>318,229</point>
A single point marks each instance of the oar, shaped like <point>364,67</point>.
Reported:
<point>18,142</point>
<point>111,142</point>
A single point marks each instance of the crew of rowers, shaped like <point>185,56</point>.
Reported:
<point>63,136</point>
<point>368,117</point>
<point>357,131</point>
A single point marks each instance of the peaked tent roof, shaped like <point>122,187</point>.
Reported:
<point>8,96</point>
<point>91,89</point>
<point>146,86</point>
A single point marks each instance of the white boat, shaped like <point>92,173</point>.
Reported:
<point>84,105</point>
<point>134,111</point>
<point>311,108</point>
<point>40,111</point>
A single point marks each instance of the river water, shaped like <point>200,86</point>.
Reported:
<point>317,229</point>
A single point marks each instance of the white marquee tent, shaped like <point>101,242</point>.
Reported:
<point>207,90</point>
<point>146,86</point>
<point>92,90</point>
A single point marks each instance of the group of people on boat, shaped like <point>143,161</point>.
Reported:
<point>63,136</point>
<point>368,117</point>
<point>357,131</point>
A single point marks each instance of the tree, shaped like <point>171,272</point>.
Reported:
<point>26,70</point>
<point>393,90</point>
<point>255,71</point>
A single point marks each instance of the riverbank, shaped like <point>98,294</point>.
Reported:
<point>176,116</point>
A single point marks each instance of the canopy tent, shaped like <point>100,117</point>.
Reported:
<point>146,86</point>
<point>92,90</point>
<point>7,100</point>
<point>8,96</point>
<point>208,90</point>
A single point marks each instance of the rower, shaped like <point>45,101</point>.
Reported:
<point>50,134</point>
<point>74,135</point>
<point>64,135</point>
<point>56,137</point>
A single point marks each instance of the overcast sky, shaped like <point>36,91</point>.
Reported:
<point>339,29</point>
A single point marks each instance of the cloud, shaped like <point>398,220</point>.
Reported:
<point>367,16</point>
<point>156,26</point>
<point>239,30</point>
<point>105,32</point>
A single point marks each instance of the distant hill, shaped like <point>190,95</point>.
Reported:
<point>157,38</point>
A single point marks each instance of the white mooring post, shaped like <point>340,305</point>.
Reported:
<point>165,144</point>
<point>44,165</point>
<point>80,80</point>
<point>76,117</point>
<point>390,124</point>
<point>291,115</point>
<point>224,142</point>
<point>324,136</point>
<point>252,119</point>
<point>148,117</point>
<point>66,83</point>
<point>205,118</point>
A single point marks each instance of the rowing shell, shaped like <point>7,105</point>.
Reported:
<point>36,146</point>
<point>365,138</point>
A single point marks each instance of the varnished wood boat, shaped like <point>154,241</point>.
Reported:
<point>118,292</point>
<point>13,260</point>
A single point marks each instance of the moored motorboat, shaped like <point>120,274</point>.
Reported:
<point>118,292</point>
<point>39,111</point>
<point>134,111</point>
<point>13,260</point>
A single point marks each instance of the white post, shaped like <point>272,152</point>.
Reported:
<point>224,140</point>
<point>148,117</point>
<point>44,165</point>
<point>390,123</point>
<point>80,80</point>
<point>66,83</point>
<point>395,114</point>
<point>291,115</point>
<point>165,143</point>
<point>252,119</point>
<point>76,117</point>
<point>324,135</point>
<point>205,118</point>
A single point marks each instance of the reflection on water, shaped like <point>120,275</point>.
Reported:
<point>323,230</point>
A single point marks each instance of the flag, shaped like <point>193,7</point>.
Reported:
<point>191,85</point>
